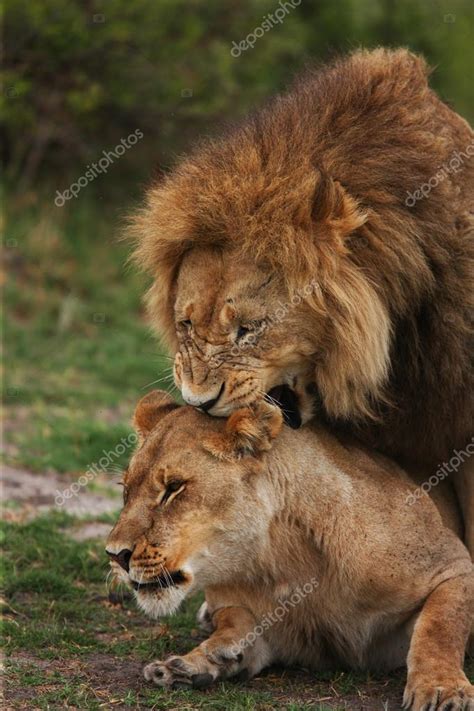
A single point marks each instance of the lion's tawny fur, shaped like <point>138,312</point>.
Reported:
<point>314,186</point>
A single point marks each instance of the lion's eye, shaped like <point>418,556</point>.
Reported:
<point>255,328</point>
<point>242,331</point>
<point>186,323</point>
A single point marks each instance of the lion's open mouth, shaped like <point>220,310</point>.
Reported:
<point>287,400</point>
<point>165,580</point>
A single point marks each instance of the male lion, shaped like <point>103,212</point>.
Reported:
<point>305,547</point>
<point>327,244</point>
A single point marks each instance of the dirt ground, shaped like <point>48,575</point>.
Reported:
<point>111,680</point>
<point>28,494</point>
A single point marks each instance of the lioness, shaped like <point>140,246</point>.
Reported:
<point>306,524</point>
<point>327,244</point>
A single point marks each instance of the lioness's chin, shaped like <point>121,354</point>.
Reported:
<point>160,603</point>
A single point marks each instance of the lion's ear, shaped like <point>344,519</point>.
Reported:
<point>247,432</point>
<point>334,207</point>
<point>151,409</point>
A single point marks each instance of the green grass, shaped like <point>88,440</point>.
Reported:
<point>46,570</point>
<point>59,628</point>
<point>79,349</point>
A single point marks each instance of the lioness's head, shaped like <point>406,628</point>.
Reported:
<point>188,519</point>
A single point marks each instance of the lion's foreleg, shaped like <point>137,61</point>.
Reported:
<point>232,649</point>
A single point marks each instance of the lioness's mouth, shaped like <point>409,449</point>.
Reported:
<point>161,582</point>
<point>287,400</point>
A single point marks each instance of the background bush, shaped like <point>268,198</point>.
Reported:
<point>79,76</point>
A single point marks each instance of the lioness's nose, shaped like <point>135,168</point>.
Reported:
<point>122,558</point>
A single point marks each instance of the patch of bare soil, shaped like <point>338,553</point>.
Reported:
<point>33,494</point>
<point>107,677</point>
<point>111,678</point>
<point>303,687</point>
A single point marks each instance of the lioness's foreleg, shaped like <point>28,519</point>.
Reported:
<point>233,648</point>
<point>435,660</point>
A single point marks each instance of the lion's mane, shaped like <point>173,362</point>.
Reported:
<point>318,183</point>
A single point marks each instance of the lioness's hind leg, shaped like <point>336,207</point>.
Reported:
<point>229,651</point>
<point>435,676</point>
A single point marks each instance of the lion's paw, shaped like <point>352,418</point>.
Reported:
<point>440,695</point>
<point>178,673</point>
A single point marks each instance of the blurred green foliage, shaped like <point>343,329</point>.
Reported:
<point>78,350</point>
<point>80,76</point>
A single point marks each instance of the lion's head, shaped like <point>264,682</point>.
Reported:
<point>233,321</point>
<point>286,248</point>
<point>244,323</point>
<point>190,493</point>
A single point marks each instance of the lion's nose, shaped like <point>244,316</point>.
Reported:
<point>122,558</point>
<point>200,402</point>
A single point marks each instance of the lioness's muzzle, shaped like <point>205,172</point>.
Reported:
<point>164,580</point>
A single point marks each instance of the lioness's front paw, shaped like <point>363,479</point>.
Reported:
<point>178,673</point>
<point>442,694</point>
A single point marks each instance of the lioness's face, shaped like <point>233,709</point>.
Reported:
<point>240,335</point>
<point>189,518</point>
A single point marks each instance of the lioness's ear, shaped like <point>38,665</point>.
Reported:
<point>149,411</point>
<point>247,432</point>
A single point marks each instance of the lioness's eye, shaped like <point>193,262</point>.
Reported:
<point>125,494</point>
<point>186,323</point>
<point>174,487</point>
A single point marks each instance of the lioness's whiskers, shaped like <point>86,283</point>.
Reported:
<point>107,579</point>
<point>166,574</point>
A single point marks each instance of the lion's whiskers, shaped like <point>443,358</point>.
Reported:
<point>269,399</point>
<point>168,377</point>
